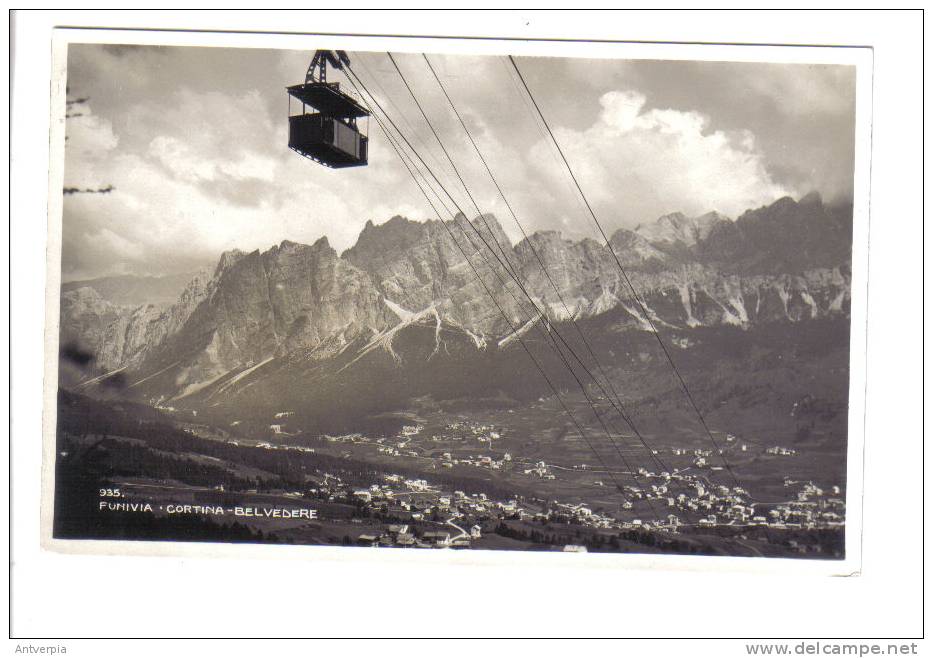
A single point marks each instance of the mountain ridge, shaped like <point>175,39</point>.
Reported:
<point>778,263</point>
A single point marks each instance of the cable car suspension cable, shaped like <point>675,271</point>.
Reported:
<point>619,407</point>
<point>638,300</point>
<point>516,278</point>
<point>545,333</point>
<point>489,293</point>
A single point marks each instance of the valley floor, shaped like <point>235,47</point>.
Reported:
<point>493,480</point>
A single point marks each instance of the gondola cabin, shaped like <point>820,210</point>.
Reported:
<point>324,124</point>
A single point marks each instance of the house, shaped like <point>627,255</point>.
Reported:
<point>439,538</point>
<point>574,548</point>
<point>476,532</point>
<point>398,512</point>
<point>424,502</point>
<point>367,540</point>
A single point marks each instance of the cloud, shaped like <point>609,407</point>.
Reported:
<point>636,164</point>
<point>806,90</point>
<point>90,143</point>
<point>194,143</point>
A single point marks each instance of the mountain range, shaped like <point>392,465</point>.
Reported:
<point>306,307</point>
<point>133,290</point>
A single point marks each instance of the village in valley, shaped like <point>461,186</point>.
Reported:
<point>432,499</point>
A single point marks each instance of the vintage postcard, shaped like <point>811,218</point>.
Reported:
<point>457,295</point>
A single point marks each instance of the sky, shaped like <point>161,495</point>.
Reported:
<point>194,142</point>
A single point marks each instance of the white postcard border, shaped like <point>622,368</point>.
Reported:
<point>861,58</point>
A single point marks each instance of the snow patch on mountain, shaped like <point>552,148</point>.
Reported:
<point>195,387</point>
<point>241,375</point>
<point>478,339</point>
<point>605,302</point>
<point>640,319</point>
<point>403,314</point>
<point>518,332</point>
<point>809,301</point>
<point>384,339</point>
<point>684,291</point>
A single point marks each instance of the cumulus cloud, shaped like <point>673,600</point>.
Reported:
<point>640,163</point>
<point>634,165</point>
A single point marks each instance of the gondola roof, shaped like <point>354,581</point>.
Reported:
<point>328,99</point>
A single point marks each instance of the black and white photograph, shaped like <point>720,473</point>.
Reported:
<point>338,325</point>
<point>442,301</point>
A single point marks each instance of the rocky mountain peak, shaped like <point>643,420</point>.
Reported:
<point>812,198</point>
<point>228,259</point>
<point>677,228</point>
<point>322,244</point>
<point>705,223</point>
<point>379,242</point>
<point>544,238</point>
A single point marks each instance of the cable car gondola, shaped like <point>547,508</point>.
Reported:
<point>326,130</point>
